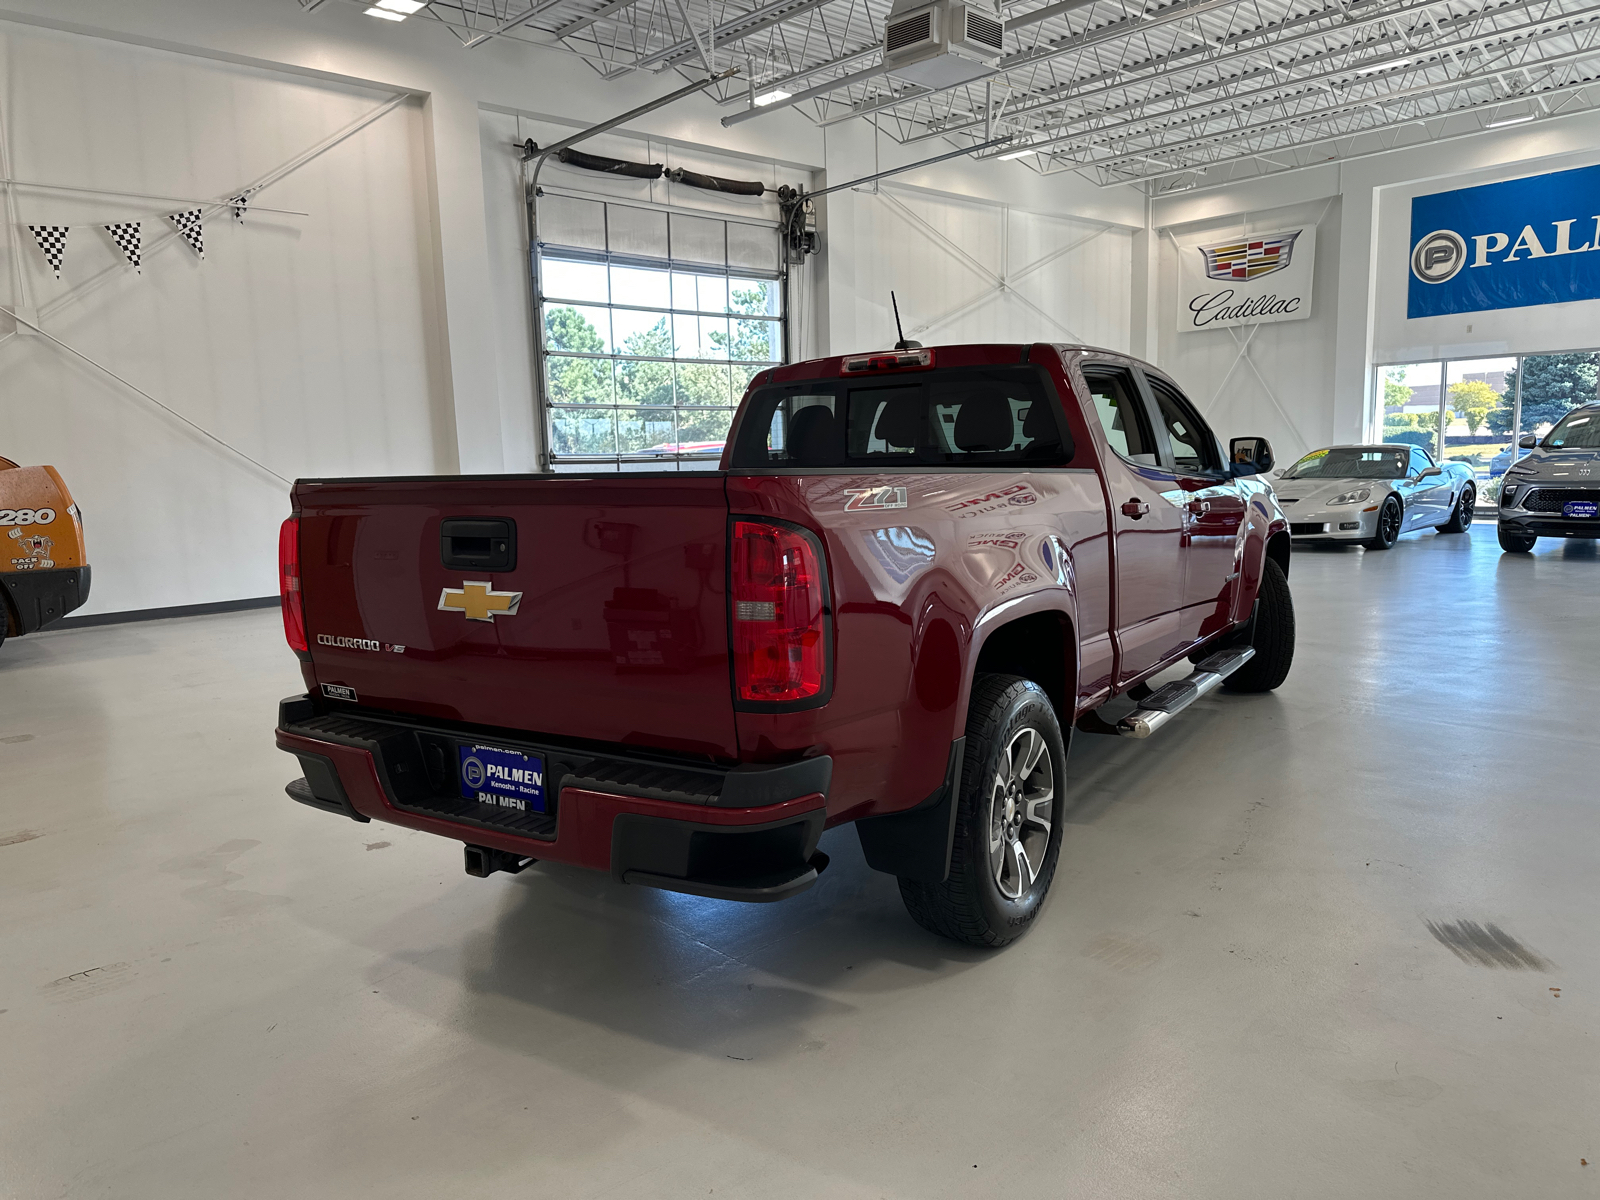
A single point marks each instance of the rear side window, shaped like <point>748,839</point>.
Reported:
<point>1118,405</point>
<point>963,417</point>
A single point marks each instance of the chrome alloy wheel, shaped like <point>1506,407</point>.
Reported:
<point>1021,806</point>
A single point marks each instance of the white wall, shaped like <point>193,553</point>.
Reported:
<point>311,344</point>
<point>966,270</point>
<point>1273,380</point>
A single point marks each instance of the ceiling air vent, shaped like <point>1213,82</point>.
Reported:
<point>944,43</point>
<point>982,30</point>
<point>898,35</point>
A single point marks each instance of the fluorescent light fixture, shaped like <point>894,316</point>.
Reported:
<point>1510,121</point>
<point>771,97</point>
<point>1026,150</point>
<point>404,7</point>
<point>387,16</point>
<point>1399,62</point>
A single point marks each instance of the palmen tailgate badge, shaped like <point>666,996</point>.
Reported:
<point>478,601</point>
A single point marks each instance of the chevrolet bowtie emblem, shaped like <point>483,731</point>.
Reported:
<point>479,601</point>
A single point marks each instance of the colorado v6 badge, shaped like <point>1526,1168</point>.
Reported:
<point>478,601</point>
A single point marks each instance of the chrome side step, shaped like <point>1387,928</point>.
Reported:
<point>1167,701</point>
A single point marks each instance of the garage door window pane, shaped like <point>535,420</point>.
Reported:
<point>578,380</point>
<point>642,334</point>
<point>703,384</point>
<point>577,281</point>
<point>754,296</point>
<point>583,431</point>
<point>642,286</point>
<point>577,330</point>
<point>645,428</point>
<point>641,382</point>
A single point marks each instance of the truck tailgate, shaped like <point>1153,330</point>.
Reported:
<point>612,624</point>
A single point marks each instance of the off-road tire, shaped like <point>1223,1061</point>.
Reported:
<point>969,905</point>
<point>1272,638</point>
<point>1461,515</point>
<point>1385,538</point>
<point>1516,543</point>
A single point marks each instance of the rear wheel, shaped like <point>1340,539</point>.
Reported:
<point>1514,542</point>
<point>1007,835</point>
<point>1272,638</point>
<point>1388,530</point>
<point>1461,516</point>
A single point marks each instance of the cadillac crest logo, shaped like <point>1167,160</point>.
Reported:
<point>1250,258</point>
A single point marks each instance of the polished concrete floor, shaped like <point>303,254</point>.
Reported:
<point>1340,941</point>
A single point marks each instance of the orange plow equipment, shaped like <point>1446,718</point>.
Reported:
<point>44,572</point>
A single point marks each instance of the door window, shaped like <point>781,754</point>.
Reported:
<point>1193,446</point>
<point>1121,412</point>
<point>1421,460</point>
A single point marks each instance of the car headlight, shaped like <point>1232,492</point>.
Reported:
<point>1355,497</point>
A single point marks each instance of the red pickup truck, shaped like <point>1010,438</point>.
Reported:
<point>915,573</point>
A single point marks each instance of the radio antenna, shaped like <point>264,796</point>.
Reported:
<point>902,344</point>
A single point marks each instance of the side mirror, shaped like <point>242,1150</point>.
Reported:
<point>1430,472</point>
<point>1249,456</point>
<point>1528,441</point>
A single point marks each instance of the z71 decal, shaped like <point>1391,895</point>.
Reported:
<point>877,497</point>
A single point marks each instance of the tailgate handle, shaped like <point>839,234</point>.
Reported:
<point>478,543</point>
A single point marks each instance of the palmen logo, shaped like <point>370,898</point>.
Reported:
<point>1249,258</point>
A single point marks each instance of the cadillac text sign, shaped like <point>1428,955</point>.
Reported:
<point>1506,245</point>
<point>1248,280</point>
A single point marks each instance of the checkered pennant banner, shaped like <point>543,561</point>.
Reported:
<point>188,224</point>
<point>52,241</point>
<point>126,235</point>
<point>240,203</point>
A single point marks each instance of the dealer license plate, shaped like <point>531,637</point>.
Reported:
<point>502,779</point>
<point>1579,508</point>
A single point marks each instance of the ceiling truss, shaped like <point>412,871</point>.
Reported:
<point>1166,95</point>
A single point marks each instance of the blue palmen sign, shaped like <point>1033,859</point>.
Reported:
<point>1506,245</point>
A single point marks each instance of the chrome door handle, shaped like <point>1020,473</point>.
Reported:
<point>1134,508</point>
<point>1199,507</point>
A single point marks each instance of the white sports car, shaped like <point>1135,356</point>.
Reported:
<point>1372,494</point>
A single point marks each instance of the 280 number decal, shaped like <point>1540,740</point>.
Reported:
<point>26,516</point>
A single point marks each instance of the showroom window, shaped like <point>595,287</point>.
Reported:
<point>652,323</point>
<point>1474,410</point>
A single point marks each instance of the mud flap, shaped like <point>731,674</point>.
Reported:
<point>915,844</point>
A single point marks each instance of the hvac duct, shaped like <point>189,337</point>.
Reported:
<point>944,43</point>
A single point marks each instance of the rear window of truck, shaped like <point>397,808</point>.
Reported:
<point>976,416</point>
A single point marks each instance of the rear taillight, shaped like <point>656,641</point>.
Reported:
<point>779,608</point>
<point>294,613</point>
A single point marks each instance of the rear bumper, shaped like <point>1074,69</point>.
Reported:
<point>41,596</point>
<point>739,834</point>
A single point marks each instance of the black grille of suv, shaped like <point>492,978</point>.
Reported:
<point>1550,500</point>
